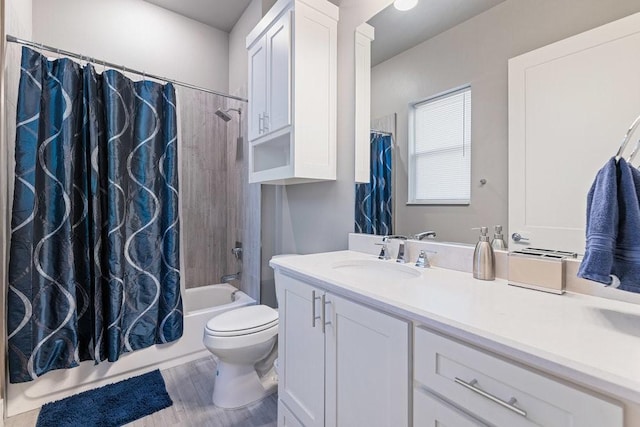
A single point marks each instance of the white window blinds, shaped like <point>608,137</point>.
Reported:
<point>440,149</point>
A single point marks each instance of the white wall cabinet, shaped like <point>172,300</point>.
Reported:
<point>340,363</point>
<point>292,93</point>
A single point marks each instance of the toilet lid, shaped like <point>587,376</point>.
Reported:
<point>243,320</point>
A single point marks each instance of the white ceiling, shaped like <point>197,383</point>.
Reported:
<point>220,14</point>
<point>397,31</point>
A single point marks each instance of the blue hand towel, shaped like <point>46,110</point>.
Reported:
<point>613,227</point>
<point>602,225</point>
<point>626,263</point>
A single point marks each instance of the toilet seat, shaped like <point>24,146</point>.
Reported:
<point>242,321</point>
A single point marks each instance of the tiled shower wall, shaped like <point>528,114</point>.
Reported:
<point>203,188</point>
<point>216,202</point>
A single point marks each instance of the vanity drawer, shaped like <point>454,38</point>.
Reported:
<point>502,393</point>
<point>429,411</point>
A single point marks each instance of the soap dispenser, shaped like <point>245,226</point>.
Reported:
<point>498,240</point>
<point>484,262</point>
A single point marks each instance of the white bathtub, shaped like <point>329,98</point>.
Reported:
<point>200,305</point>
<point>214,299</point>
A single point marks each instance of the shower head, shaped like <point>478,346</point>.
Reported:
<point>224,114</point>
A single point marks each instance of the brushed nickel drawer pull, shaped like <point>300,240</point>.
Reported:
<point>509,405</point>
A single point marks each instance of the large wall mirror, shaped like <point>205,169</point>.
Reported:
<point>442,46</point>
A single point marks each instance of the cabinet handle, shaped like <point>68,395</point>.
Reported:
<point>509,405</point>
<point>313,309</point>
<point>260,123</point>
<point>324,320</point>
<point>323,314</point>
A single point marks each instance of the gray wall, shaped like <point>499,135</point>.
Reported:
<point>477,52</point>
<point>138,35</point>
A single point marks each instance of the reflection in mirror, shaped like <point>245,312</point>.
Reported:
<point>445,45</point>
<point>374,200</point>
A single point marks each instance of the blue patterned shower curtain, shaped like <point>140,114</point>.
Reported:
<point>374,200</point>
<point>94,258</point>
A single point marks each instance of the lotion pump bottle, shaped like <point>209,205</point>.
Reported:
<point>484,262</point>
<point>498,240</point>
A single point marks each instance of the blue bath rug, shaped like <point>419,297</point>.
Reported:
<point>110,406</point>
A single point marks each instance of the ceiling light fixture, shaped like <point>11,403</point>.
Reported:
<point>403,5</point>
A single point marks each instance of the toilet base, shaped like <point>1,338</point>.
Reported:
<point>239,385</point>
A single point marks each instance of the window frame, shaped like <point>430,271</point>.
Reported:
<point>411,155</point>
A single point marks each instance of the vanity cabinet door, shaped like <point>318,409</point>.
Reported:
<point>367,366</point>
<point>285,417</point>
<point>301,351</point>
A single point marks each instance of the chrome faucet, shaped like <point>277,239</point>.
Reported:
<point>424,234</point>
<point>400,258</point>
<point>394,236</point>
<point>384,251</point>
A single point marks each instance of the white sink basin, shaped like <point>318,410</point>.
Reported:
<point>376,270</point>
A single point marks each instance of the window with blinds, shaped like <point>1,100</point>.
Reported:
<point>440,149</point>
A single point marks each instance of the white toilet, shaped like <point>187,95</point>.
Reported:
<point>244,341</point>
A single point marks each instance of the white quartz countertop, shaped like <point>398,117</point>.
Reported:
<point>590,341</point>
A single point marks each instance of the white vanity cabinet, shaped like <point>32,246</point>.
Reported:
<point>496,391</point>
<point>292,93</point>
<point>340,363</point>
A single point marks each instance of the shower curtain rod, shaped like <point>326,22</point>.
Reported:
<point>86,58</point>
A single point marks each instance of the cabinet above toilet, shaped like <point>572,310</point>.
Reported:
<point>292,93</point>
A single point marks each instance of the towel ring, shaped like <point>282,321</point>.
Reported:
<point>634,153</point>
<point>627,138</point>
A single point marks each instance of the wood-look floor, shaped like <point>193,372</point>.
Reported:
<point>191,387</point>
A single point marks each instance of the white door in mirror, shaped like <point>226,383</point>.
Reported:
<point>569,104</point>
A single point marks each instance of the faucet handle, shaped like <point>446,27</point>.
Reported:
<point>423,260</point>
<point>384,251</point>
<point>401,258</point>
